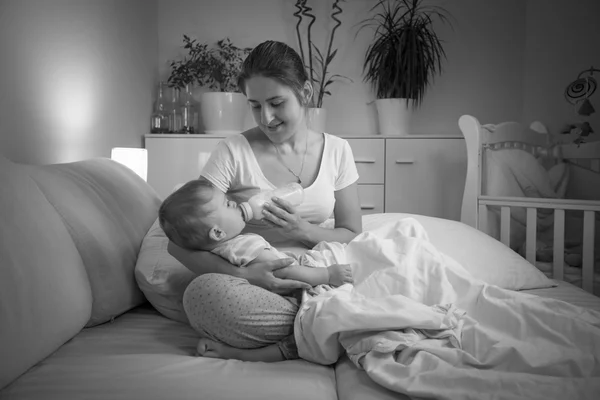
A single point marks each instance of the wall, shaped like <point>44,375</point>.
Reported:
<point>561,41</point>
<point>77,77</point>
<point>482,75</point>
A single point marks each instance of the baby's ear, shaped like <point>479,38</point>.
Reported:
<point>216,233</point>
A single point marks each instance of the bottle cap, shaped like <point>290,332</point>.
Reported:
<point>247,213</point>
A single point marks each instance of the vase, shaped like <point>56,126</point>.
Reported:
<point>223,113</point>
<point>393,116</point>
<point>317,119</point>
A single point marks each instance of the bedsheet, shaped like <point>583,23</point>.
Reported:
<point>512,344</point>
<point>355,384</point>
<point>143,355</point>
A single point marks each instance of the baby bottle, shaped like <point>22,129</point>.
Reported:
<point>252,209</point>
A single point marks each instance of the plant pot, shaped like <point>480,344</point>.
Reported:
<point>223,112</point>
<point>393,116</point>
<point>317,119</point>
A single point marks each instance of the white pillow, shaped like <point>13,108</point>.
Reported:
<point>483,256</point>
<point>160,276</point>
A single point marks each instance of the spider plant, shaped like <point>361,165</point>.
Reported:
<point>406,53</point>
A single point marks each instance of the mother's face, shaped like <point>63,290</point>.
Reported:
<point>275,108</point>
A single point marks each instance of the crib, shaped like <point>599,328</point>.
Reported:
<point>493,212</point>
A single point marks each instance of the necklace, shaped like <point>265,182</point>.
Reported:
<point>280,158</point>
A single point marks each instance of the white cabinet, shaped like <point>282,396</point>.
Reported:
<point>412,174</point>
<point>425,176</point>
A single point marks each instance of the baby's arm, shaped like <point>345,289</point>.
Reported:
<point>295,271</point>
<point>335,275</point>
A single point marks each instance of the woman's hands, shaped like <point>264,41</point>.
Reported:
<point>261,274</point>
<point>281,214</point>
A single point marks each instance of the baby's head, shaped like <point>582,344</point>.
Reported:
<point>198,216</point>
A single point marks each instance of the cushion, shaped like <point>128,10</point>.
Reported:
<point>45,296</point>
<point>107,209</point>
<point>160,276</point>
<point>483,256</point>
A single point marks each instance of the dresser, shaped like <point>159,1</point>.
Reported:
<point>410,174</point>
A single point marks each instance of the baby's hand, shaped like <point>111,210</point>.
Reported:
<point>340,274</point>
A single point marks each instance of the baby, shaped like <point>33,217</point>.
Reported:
<point>198,216</point>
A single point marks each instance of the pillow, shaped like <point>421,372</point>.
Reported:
<point>484,257</point>
<point>107,209</point>
<point>160,276</point>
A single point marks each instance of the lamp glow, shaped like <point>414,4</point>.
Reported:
<point>135,159</point>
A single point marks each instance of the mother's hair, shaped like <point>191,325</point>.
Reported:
<point>278,61</point>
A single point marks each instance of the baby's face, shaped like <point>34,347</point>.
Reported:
<point>226,214</point>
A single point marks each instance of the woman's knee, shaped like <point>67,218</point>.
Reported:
<point>233,311</point>
<point>204,295</point>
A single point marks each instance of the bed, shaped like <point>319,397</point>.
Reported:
<point>538,194</point>
<point>147,352</point>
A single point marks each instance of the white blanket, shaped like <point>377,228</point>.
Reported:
<point>403,322</point>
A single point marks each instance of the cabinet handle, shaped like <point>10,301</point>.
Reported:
<point>367,207</point>
<point>364,161</point>
<point>405,161</point>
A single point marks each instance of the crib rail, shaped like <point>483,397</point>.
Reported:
<point>589,208</point>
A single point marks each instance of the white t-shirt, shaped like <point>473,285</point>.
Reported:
<point>233,168</point>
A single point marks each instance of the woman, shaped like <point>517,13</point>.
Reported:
<point>237,310</point>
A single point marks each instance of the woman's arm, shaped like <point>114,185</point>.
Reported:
<point>348,219</point>
<point>258,274</point>
<point>203,262</point>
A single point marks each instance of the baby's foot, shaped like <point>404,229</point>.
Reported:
<point>212,349</point>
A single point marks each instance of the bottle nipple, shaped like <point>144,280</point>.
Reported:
<point>246,210</point>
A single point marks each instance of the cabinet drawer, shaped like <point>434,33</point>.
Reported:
<point>369,158</point>
<point>371,198</point>
<point>425,176</point>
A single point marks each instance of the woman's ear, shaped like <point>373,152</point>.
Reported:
<point>307,93</point>
<point>216,233</point>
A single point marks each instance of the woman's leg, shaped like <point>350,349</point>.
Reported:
<point>231,311</point>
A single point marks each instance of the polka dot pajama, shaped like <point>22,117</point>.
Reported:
<point>232,311</point>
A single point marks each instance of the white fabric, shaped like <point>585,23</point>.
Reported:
<point>512,345</point>
<point>234,169</point>
<point>160,276</point>
<point>483,256</point>
<point>354,383</point>
<point>242,249</point>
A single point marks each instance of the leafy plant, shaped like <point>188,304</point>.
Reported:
<point>216,68</point>
<point>407,53</point>
<point>317,63</point>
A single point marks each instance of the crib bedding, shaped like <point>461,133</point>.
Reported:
<point>143,355</point>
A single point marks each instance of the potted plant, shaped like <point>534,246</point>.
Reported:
<point>317,62</point>
<point>403,60</point>
<point>214,71</point>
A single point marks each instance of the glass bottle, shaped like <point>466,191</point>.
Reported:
<point>174,109</point>
<point>189,113</point>
<point>252,209</point>
<point>159,119</point>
